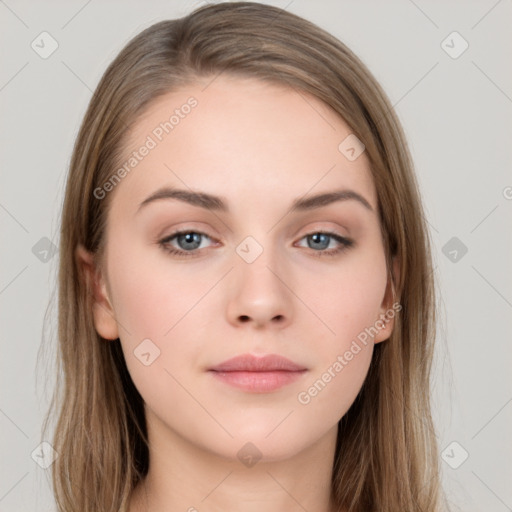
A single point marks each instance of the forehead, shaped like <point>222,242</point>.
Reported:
<point>245,138</point>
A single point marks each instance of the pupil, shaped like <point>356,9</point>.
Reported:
<point>317,239</point>
<point>191,238</point>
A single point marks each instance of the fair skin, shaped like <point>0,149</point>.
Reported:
<point>259,147</point>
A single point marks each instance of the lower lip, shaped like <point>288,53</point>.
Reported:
<point>259,382</point>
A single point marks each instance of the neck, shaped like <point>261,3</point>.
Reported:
<point>185,477</point>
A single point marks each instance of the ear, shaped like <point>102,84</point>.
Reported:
<point>388,311</point>
<point>103,312</point>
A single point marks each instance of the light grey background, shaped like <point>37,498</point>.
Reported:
<point>457,115</point>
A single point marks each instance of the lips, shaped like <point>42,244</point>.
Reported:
<point>258,374</point>
<point>250,363</point>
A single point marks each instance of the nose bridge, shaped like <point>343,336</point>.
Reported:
<point>258,262</point>
<point>258,289</point>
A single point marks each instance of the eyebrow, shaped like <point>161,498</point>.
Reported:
<point>216,203</point>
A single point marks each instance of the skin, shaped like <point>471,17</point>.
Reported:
<point>258,146</point>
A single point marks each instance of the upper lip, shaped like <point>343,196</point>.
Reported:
<point>251,363</point>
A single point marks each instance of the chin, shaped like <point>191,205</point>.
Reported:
<point>258,441</point>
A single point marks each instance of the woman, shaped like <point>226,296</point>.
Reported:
<point>246,311</point>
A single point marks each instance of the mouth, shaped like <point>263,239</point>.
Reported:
<point>258,374</point>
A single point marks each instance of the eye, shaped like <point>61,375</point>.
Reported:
<point>320,240</point>
<point>188,242</point>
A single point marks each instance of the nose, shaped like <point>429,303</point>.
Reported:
<point>260,294</point>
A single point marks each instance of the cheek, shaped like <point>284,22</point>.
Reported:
<point>349,306</point>
<point>164,302</point>
<point>153,295</point>
<point>331,391</point>
<point>345,300</point>
<point>153,302</point>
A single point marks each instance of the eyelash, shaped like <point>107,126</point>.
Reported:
<point>346,243</point>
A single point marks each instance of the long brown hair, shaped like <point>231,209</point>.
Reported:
<point>386,455</point>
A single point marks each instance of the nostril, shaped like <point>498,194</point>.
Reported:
<point>244,318</point>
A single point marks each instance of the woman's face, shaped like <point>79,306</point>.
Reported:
<point>253,276</point>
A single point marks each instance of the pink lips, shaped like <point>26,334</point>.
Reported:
<point>258,374</point>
